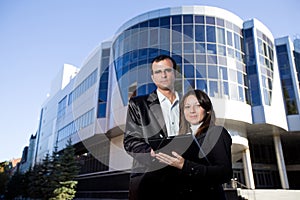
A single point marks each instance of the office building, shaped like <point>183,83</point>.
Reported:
<point>251,77</point>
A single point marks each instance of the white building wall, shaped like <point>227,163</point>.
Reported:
<point>61,86</point>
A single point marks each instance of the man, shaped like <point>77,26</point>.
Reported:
<point>152,116</point>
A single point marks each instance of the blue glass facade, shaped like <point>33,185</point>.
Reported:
<point>266,62</point>
<point>259,67</point>
<point>208,50</point>
<point>103,83</point>
<point>286,80</point>
<point>297,64</point>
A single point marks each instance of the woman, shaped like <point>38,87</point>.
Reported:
<point>201,179</point>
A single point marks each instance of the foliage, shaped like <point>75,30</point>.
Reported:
<point>3,181</point>
<point>53,178</point>
<point>69,164</point>
<point>65,191</point>
<point>17,186</point>
<point>35,181</point>
<point>4,176</point>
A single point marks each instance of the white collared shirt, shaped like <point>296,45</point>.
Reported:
<point>194,127</point>
<point>170,113</point>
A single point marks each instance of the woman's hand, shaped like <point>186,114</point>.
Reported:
<point>176,160</point>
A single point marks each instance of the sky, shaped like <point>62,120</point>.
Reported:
<point>38,37</point>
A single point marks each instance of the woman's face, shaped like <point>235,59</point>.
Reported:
<point>193,112</point>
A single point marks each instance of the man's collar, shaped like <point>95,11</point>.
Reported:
<point>162,97</point>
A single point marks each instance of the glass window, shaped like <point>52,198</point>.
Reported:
<point>202,85</point>
<point>211,49</point>
<point>213,88</point>
<point>153,37</point>
<point>212,71</point>
<point>164,36</point>
<point>230,52</point>
<point>199,19</point>
<point>101,110</point>
<point>210,20</point>
<point>143,53</point>
<point>228,24</point>
<point>187,19</point>
<point>223,73</point>
<point>143,39</point>
<point>260,46</point>
<point>70,99</point>
<point>221,50</point>
<point>254,85</point>
<point>222,60</point>
<point>238,55</point>
<point>201,71</point>
<point>200,48</point>
<point>237,41</point>
<point>229,38</point>
<point>189,58</point>
<point>176,34</point>
<point>188,32</point>
<point>62,107</point>
<point>144,24</point>
<point>267,96</point>
<point>200,58</point>
<point>240,78</point>
<point>189,84</point>
<point>178,59</point>
<point>236,29</point>
<point>212,59</point>
<point>189,71</point>
<point>220,22</point>
<point>232,75</point>
<point>225,89</point>
<point>102,95</point>
<point>165,21</point>
<point>177,28</point>
<point>210,34</point>
<point>177,48</point>
<point>153,52</point>
<point>233,91</point>
<point>176,19</point>
<point>241,94</point>
<point>199,33</point>
<point>153,23</point>
<point>221,35</point>
<point>188,47</point>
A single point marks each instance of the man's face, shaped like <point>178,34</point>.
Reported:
<point>163,74</point>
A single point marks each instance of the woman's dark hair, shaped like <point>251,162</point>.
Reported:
<point>164,57</point>
<point>204,101</point>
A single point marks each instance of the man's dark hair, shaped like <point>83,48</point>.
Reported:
<point>163,57</point>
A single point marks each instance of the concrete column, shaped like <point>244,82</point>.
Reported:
<point>248,169</point>
<point>280,162</point>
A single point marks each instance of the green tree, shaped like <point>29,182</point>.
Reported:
<point>3,182</point>
<point>68,170</point>
<point>69,165</point>
<point>54,178</point>
<point>65,191</point>
<point>55,171</point>
<point>46,188</point>
<point>4,176</point>
<point>35,182</point>
<point>17,186</point>
<point>40,180</point>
